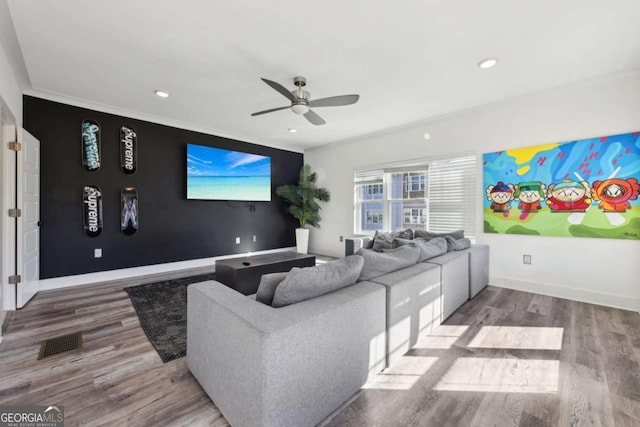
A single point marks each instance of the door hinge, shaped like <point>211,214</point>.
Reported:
<point>15,146</point>
<point>15,213</point>
<point>14,280</point>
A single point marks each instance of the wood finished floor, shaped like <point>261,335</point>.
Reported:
<point>506,358</point>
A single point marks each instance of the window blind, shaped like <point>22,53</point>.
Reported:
<point>452,195</point>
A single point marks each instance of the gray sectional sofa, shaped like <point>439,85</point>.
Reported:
<point>288,366</point>
<point>292,354</point>
<point>431,290</point>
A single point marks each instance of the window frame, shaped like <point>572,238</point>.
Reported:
<point>444,208</point>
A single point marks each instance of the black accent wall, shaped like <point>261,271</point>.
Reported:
<point>171,227</point>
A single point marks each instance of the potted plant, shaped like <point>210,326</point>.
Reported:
<point>303,204</point>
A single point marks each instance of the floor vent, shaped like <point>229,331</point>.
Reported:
<point>60,345</point>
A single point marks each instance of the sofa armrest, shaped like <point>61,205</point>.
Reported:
<point>354,243</point>
<point>267,366</point>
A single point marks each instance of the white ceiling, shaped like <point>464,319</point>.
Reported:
<point>409,60</point>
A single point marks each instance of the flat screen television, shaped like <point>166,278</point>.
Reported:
<point>219,174</point>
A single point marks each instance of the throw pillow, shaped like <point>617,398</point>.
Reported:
<point>457,244</point>
<point>397,242</point>
<point>432,248</point>
<point>376,263</point>
<point>428,235</point>
<point>384,239</point>
<point>428,248</point>
<point>310,282</point>
<point>267,287</point>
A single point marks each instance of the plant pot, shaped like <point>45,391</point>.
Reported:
<point>302,240</point>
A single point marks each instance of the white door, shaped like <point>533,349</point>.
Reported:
<point>28,242</point>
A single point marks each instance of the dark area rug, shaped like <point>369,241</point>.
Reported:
<point>162,310</point>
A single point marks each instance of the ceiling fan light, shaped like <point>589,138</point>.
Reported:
<point>300,108</point>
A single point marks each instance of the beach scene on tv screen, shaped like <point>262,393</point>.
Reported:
<point>219,174</point>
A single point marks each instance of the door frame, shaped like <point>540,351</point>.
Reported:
<point>8,227</point>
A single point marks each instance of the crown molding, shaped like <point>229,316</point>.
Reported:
<point>553,90</point>
<point>109,109</point>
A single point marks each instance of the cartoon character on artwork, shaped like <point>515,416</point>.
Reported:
<point>129,214</point>
<point>613,194</point>
<point>530,196</point>
<point>569,196</point>
<point>501,196</point>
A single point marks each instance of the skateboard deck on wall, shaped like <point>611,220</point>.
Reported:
<point>128,150</point>
<point>91,145</point>
<point>129,213</point>
<point>92,208</point>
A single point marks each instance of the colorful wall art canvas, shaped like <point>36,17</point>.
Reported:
<point>585,188</point>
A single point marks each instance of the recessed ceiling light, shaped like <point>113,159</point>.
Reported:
<point>292,130</point>
<point>487,63</point>
<point>427,136</point>
<point>161,93</point>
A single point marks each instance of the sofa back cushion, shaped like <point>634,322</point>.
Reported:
<point>267,287</point>
<point>457,244</point>
<point>377,263</point>
<point>384,239</point>
<point>310,282</point>
<point>428,248</point>
<point>428,235</point>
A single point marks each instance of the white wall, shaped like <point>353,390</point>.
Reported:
<point>10,114</point>
<point>603,271</point>
<point>10,92</point>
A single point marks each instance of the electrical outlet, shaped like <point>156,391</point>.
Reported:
<point>237,240</point>
<point>97,253</point>
<point>254,238</point>
<point>341,238</point>
<point>526,259</point>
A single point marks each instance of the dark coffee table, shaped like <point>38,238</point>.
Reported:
<point>243,274</point>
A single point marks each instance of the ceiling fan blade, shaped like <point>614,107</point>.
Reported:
<point>334,101</point>
<point>270,111</point>
<point>283,90</point>
<point>314,118</point>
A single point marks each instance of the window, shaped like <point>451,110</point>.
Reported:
<point>414,216</point>
<point>415,182</point>
<point>374,216</point>
<point>436,195</point>
<point>373,191</point>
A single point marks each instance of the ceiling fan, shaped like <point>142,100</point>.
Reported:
<point>301,102</point>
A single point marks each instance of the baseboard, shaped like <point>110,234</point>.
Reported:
<point>552,290</point>
<point>147,270</point>
<point>5,318</point>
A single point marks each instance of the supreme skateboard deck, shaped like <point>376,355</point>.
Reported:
<point>92,208</point>
<point>128,150</point>
<point>129,216</point>
<point>91,145</point>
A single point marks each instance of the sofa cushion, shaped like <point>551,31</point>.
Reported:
<point>376,263</point>
<point>428,235</point>
<point>428,248</point>
<point>431,248</point>
<point>309,282</point>
<point>457,244</point>
<point>384,239</point>
<point>267,287</point>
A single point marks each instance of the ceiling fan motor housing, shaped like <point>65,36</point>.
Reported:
<point>301,100</point>
<point>301,105</point>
